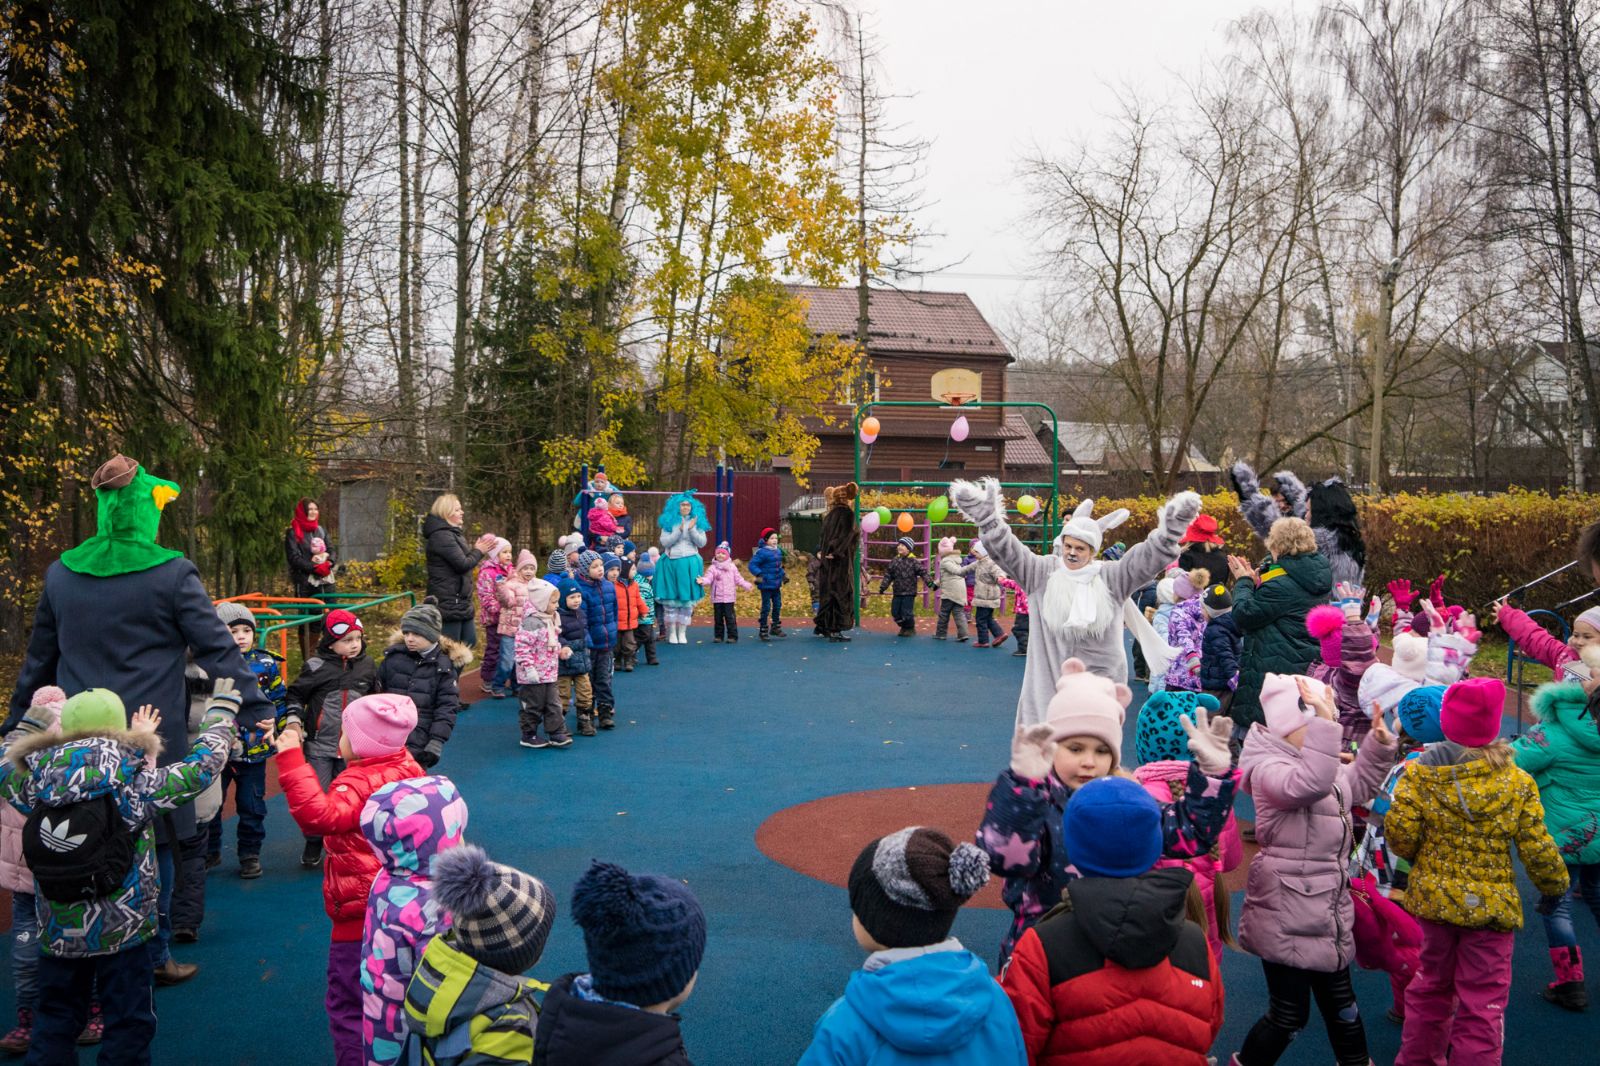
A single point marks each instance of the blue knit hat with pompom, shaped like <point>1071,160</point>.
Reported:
<point>645,934</point>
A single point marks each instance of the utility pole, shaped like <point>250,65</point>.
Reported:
<point>1380,360</point>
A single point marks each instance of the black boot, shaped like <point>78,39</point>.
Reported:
<point>777,629</point>
<point>763,634</point>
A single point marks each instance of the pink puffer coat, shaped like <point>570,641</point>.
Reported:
<point>14,873</point>
<point>724,581</point>
<point>513,594</point>
<point>1166,779</point>
<point>490,575</point>
<point>1297,907</point>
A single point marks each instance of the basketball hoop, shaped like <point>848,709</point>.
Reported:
<point>956,399</point>
<point>954,387</point>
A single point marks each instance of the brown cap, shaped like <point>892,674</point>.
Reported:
<point>115,473</point>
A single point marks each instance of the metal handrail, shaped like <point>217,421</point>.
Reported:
<point>354,602</point>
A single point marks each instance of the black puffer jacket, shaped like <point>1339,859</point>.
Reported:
<point>326,686</point>
<point>575,1031</point>
<point>450,564</point>
<point>429,678</point>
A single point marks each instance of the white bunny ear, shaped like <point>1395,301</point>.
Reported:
<point>1084,509</point>
<point>1114,519</point>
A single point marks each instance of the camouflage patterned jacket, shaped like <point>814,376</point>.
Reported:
<point>55,771</point>
<point>269,677</point>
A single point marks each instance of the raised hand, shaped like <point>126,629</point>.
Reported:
<point>1033,752</point>
<point>1403,594</point>
<point>1380,728</point>
<point>1208,741</point>
<point>1318,697</point>
<point>291,737</point>
<point>145,720</point>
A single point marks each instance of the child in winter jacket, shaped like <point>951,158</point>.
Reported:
<point>766,566</point>
<point>373,741</point>
<point>407,823</point>
<point>1220,645</point>
<point>246,772</point>
<point>920,997</point>
<point>903,574</point>
<point>336,676</point>
<point>1458,813</point>
<point>572,677</point>
<point>1163,770</point>
<point>16,878</point>
<point>630,613</point>
<point>495,569</point>
<point>513,593</point>
<point>1080,740</point>
<point>92,796</point>
<point>1562,754</point>
<point>602,526</point>
<point>1019,621</point>
<point>422,664</point>
<point>950,576</point>
<point>724,581</point>
<point>539,654</point>
<point>619,514</point>
<point>1298,916</point>
<point>1534,641</point>
<point>467,1003</point>
<point>646,633</point>
<point>986,597</point>
<point>1186,627</point>
<point>600,612</point>
<point>1115,973</point>
<point>1349,649</point>
<point>645,936</point>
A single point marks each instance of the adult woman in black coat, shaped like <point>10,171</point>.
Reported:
<point>308,572</point>
<point>450,566</point>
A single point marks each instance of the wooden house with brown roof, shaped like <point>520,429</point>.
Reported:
<point>914,340</point>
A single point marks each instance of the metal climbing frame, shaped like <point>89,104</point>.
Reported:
<point>1047,490</point>
<point>276,615</point>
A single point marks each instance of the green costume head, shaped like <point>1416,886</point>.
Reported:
<point>130,503</point>
<point>94,710</point>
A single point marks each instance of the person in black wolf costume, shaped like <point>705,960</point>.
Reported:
<point>836,551</point>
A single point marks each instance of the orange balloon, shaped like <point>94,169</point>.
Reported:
<point>869,426</point>
<point>905,522</point>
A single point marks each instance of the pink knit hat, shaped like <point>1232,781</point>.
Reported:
<point>1591,616</point>
<point>1281,706</point>
<point>1470,715</point>
<point>379,724</point>
<point>1086,705</point>
<point>525,558</point>
<point>500,545</point>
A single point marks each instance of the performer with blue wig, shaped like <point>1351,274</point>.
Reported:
<point>684,526</point>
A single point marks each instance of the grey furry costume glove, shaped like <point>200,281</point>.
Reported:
<point>1175,515</point>
<point>1033,752</point>
<point>980,503</point>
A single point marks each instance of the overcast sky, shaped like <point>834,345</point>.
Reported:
<point>991,81</point>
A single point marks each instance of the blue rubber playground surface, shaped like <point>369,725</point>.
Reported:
<point>708,746</point>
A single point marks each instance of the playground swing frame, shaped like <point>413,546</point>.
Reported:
<point>721,496</point>
<point>1051,497</point>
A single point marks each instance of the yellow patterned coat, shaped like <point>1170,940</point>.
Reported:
<point>1458,825</point>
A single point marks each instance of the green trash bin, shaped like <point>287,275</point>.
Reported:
<point>805,524</point>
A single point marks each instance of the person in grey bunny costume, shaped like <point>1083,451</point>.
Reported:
<point>1079,603</point>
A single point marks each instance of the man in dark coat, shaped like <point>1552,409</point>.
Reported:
<point>119,611</point>
<point>836,551</point>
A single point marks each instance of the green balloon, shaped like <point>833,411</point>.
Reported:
<point>884,516</point>
<point>939,509</point>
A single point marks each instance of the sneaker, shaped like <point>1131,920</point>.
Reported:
<point>249,867</point>
<point>716,640</point>
<point>17,1040</point>
<point>983,644</point>
<point>585,726</point>
<point>173,972</point>
<point>1020,653</point>
<point>628,669</point>
<point>213,860</point>
<point>962,640</point>
<point>1001,639</point>
<point>652,662</point>
<point>311,854</point>
<point>535,742</point>
<point>94,1030</point>
<point>185,936</point>
<point>733,639</point>
<point>563,741</point>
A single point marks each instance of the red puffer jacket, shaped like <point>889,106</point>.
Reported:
<point>350,865</point>
<point>1115,975</point>
<point>630,605</point>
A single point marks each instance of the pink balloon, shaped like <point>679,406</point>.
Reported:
<point>868,438</point>
<point>959,429</point>
<point>869,522</point>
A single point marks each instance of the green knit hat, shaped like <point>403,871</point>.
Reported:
<point>95,710</point>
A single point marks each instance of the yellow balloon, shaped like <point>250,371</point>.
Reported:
<point>1027,505</point>
<point>905,522</point>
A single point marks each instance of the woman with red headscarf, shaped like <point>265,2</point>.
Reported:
<point>310,561</point>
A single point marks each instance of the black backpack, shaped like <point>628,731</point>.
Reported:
<point>78,851</point>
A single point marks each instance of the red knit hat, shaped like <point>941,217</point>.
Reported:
<point>339,622</point>
<point>1470,714</point>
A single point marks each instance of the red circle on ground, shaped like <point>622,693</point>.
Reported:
<point>821,838</point>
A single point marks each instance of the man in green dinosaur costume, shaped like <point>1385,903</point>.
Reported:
<point>119,612</point>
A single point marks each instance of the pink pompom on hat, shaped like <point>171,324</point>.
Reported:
<point>1471,711</point>
<point>379,724</point>
<point>1281,705</point>
<point>1087,705</point>
<point>48,696</point>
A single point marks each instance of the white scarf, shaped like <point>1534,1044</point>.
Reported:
<point>1078,602</point>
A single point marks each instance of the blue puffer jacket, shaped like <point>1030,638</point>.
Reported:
<point>600,604</point>
<point>1219,654</point>
<point>574,635</point>
<point>766,566</point>
<point>923,1006</point>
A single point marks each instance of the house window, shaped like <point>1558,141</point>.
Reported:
<point>953,464</point>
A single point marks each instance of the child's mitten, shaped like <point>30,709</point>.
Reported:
<point>1208,741</point>
<point>1033,752</point>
